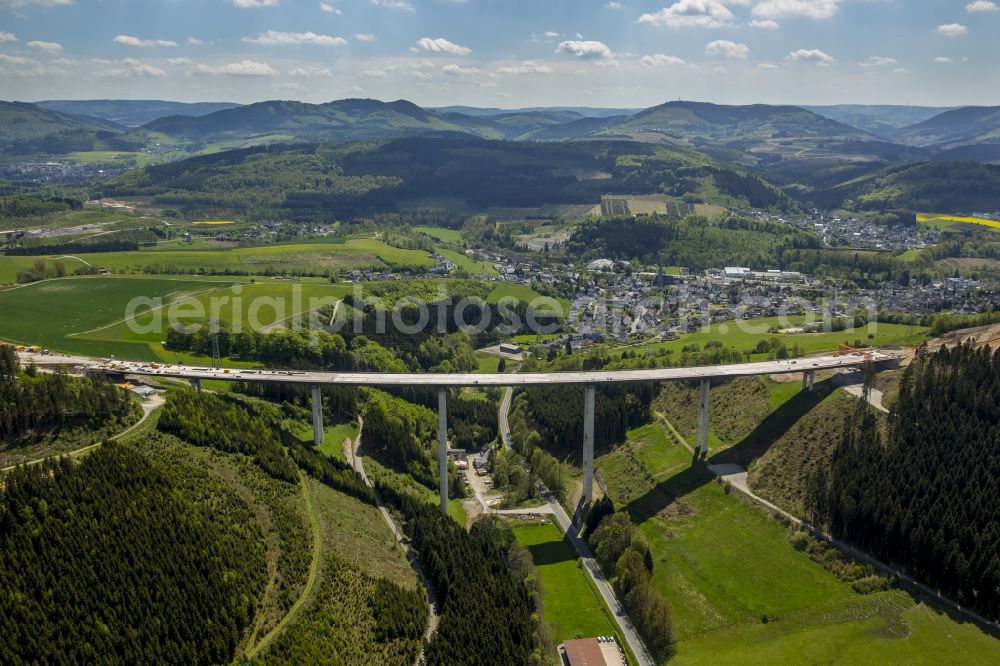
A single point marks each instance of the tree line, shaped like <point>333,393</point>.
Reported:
<point>32,406</point>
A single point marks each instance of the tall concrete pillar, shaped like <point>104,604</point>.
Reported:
<point>702,439</point>
<point>443,446</point>
<point>812,379</point>
<point>805,381</point>
<point>196,384</point>
<point>317,407</point>
<point>588,444</point>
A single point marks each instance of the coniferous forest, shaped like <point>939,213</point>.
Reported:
<point>103,562</point>
<point>487,611</point>
<point>30,406</point>
<point>925,495</point>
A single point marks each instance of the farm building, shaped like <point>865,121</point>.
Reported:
<point>509,348</point>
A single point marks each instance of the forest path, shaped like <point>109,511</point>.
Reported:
<point>307,591</point>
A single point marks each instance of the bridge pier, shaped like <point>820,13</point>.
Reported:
<point>317,409</point>
<point>196,384</point>
<point>443,447</point>
<point>701,449</point>
<point>588,447</point>
<point>808,380</point>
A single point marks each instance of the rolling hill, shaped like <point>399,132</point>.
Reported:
<point>344,120</point>
<point>972,132</point>
<point>757,135</point>
<point>133,112</point>
<point>921,186</point>
<point>20,121</point>
<point>26,129</point>
<point>879,119</point>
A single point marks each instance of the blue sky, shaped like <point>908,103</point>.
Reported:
<point>506,53</point>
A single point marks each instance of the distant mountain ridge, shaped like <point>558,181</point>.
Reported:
<point>879,119</point>
<point>133,113</point>
<point>966,126</point>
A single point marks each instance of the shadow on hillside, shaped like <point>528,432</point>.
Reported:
<point>666,492</point>
<point>774,426</point>
<point>751,447</point>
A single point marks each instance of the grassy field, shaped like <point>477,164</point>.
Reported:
<point>333,439</point>
<point>87,315</point>
<point>442,234</point>
<point>523,292</point>
<point>570,604</point>
<point>466,264</point>
<point>319,258</point>
<point>487,363</point>
<point>741,593</point>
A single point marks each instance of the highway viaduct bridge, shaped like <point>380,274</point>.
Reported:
<point>807,367</point>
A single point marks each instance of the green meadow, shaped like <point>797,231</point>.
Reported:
<point>739,591</point>
<point>318,258</point>
<point>570,604</point>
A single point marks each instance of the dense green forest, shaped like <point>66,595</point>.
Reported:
<point>487,612</point>
<point>103,562</point>
<point>925,495</point>
<point>31,406</point>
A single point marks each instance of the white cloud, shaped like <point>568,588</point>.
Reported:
<point>814,9</point>
<point>8,37</point>
<point>365,37</point>
<point>393,4</point>
<point>525,67</point>
<point>458,70</point>
<point>17,60</point>
<point>132,67</point>
<point>241,68</point>
<point>194,41</point>
<point>727,49</point>
<point>128,40</point>
<point>329,9</point>
<point>693,14</point>
<point>981,6</point>
<point>878,61</point>
<point>441,45</point>
<point>51,47</point>
<point>952,30</point>
<point>254,4</point>
<point>614,5</point>
<point>767,66</point>
<point>660,59</point>
<point>180,61</point>
<point>813,55</point>
<point>552,35</point>
<point>943,60</point>
<point>585,49</point>
<point>764,24</point>
<point>310,72</point>
<point>275,38</point>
